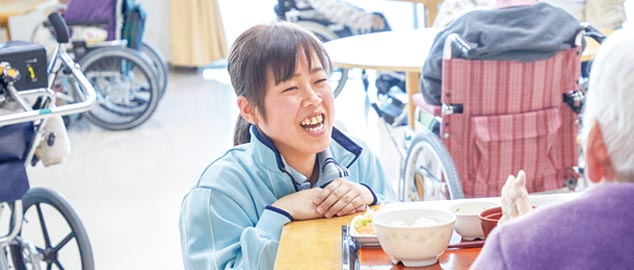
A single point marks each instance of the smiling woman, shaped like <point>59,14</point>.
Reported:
<point>288,163</point>
<point>299,115</point>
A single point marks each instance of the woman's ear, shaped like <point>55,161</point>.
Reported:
<point>247,110</point>
<point>598,161</point>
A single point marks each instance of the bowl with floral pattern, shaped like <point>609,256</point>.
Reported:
<point>415,237</point>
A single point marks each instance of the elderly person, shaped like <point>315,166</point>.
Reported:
<point>595,230</point>
<point>354,19</point>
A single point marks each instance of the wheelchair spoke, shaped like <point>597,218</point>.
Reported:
<point>59,265</point>
<point>64,241</point>
<point>141,100</point>
<point>429,174</point>
<point>47,238</point>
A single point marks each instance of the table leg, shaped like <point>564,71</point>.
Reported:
<point>5,24</point>
<point>432,10</point>
<point>412,86</point>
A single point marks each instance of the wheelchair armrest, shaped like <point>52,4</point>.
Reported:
<point>102,22</point>
<point>419,101</point>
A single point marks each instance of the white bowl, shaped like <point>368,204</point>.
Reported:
<point>414,245</point>
<point>467,220</point>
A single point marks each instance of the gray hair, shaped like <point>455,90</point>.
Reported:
<point>610,101</point>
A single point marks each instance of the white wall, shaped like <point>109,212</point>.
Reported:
<point>239,15</point>
<point>157,25</point>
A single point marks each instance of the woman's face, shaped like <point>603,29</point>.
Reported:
<point>299,111</point>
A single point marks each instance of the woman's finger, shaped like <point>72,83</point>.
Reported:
<point>326,191</point>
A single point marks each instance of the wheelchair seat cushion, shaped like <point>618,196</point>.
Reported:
<point>14,148</point>
<point>14,182</point>
<point>93,10</point>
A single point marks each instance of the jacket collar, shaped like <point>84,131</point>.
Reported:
<point>334,161</point>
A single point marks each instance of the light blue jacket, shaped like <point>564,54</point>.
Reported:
<point>226,219</point>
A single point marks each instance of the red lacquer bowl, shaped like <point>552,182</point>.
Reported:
<point>489,219</point>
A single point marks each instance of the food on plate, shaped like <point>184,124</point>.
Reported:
<point>363,223</point>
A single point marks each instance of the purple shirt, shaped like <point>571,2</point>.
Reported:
<point>594,231</point>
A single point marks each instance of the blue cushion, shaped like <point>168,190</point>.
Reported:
<point>14,147</point>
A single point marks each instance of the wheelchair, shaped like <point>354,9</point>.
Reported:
<point>28,113</point>
<point>477,145</point>
<point>130,76</point>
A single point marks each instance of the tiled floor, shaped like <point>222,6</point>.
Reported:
<point>127,186</point>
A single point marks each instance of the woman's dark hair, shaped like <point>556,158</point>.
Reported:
<point>267,47</point>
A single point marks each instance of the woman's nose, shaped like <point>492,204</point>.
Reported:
<point>311,97</point>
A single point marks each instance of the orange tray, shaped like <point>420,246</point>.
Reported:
<point>356,256</point>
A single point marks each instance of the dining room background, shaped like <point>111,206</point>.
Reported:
<point>127,186</point>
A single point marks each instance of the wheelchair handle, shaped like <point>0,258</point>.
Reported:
<point>455,40</point>
<point>61,29</point>
<point>88,101</point>
<point>592,32</point>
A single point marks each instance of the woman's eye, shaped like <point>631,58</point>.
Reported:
<point>321,80</point>
<point>289,89</point>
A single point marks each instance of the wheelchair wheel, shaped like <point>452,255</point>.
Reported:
<point>52,235</point>
<point>338,76</point>
<point>429,172</point>
<point>126,84</point>
<point>159,63</point>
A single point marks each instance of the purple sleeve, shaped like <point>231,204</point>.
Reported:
<point>491,255</point>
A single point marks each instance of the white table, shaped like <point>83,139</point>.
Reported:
<point>389,51</point>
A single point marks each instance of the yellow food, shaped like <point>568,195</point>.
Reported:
<point>363,223</point>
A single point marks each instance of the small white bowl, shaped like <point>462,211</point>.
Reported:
<point>467,220</point>
<point>413,244</point>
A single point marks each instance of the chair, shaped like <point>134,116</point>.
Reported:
<point>497,117</point>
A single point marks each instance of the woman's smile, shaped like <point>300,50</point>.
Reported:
<point>314,124</point>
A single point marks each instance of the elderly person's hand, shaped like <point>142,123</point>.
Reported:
<point>342,197</point>
<point>514,198</point>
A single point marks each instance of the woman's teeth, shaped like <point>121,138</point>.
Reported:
<point>314,123</point>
